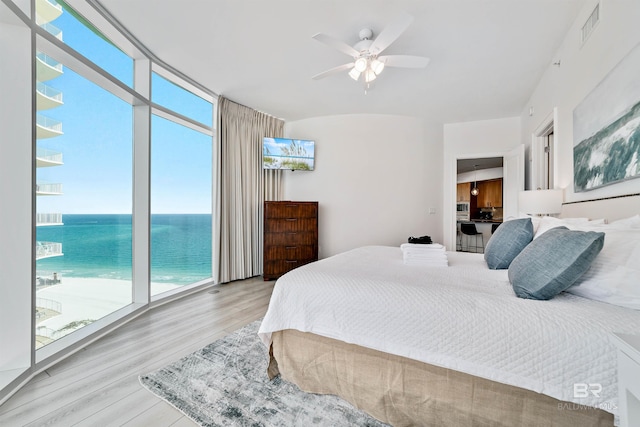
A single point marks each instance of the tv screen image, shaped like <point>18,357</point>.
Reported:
<point>285,153</point>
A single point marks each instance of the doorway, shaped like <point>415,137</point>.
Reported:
<point>543,154</point>
<point>513,172</point>
<point>478,201</point>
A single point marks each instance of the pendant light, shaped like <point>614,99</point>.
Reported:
<point>474,190</point>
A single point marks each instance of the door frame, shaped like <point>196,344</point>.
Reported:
<point>449,217</point>
<point>538,141</point>
<point>449,211</point>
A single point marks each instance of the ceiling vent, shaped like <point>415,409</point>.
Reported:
<point>590,25</point>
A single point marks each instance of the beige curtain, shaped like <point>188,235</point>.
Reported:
<point>242,186</point>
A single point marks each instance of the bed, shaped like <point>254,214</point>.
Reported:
<point>416,345</point>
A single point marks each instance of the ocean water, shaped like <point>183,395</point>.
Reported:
<point>100,246</point>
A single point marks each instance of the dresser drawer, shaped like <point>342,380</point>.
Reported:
<point>290,238</point>
<point>280,225</point>
<point>281,266</point>
<point>291,252</point>
<point>291,210</point>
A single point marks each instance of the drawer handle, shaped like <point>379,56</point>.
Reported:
<point>292,206</point>
<point>292,261</point>
<point>291,247</point>
<point>291,233</point>
<point>291,219</point>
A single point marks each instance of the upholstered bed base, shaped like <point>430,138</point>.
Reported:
<point>405,392</point>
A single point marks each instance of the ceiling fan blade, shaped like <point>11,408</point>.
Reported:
<point>391,33</point>
<point>336,44</point>
<point>333,70</point>
<point>404,61</point>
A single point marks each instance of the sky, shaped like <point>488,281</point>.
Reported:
<point>97,146</point>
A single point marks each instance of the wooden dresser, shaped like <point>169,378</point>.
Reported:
<point>290,236</point>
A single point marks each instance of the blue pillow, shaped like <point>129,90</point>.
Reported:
<point>553,262</point>
<point>507,242</point>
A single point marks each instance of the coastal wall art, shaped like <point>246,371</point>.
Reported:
<point>606,129</point>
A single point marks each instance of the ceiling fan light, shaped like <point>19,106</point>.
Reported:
<point>354,74</point>
<point>361,64</point>
<point>377,66</point>
<point>369,76</point>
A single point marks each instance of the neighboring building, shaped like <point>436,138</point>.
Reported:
<point>47,97</point>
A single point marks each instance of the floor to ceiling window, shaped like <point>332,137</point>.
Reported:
<point>83,204</point>
<point>83,182</point>
<point>103,215</point>
<point>181,173</point>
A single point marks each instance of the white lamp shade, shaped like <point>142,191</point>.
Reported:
<point>354,74</point>
<point>377,66</point>
<point>369,75</point>
<point>540,202</point>
<point>361,64</point>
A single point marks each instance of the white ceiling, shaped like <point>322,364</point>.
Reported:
<point>486,55</point>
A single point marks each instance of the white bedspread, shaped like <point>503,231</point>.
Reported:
<point>464,317</point>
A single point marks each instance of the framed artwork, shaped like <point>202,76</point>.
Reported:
<point>606,129</point>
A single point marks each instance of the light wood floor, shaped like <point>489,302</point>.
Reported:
<point>98,386</point>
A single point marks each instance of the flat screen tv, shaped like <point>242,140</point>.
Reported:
<point>285,153</point>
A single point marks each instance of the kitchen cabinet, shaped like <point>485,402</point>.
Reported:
<point>490,193</point>
<point>463,193</point>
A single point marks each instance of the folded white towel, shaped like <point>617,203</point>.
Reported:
<point>424,253</point>
<point>430,255</point>
<point>420,247</point>
<point>442,263</point>
<point>434,257</point>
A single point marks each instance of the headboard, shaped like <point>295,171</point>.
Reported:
<point>610,208</point>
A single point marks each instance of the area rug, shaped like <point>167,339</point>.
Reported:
<point>226,384</point>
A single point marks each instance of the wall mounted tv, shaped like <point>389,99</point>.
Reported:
<point>285,153</point>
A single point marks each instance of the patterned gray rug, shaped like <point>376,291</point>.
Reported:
<point>226,384</point>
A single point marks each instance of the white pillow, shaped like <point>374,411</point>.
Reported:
<point>549,222</point>
<point>598,221</point>
<point>631,222</point>
<point>614,276</point>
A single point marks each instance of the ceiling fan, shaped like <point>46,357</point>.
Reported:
<point>366,53</point>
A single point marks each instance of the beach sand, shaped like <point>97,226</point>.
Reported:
<point>90,298</point>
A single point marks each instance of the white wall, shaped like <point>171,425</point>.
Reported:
<point>376,176</point>
<point>485,138</point>
<point>581,69</point>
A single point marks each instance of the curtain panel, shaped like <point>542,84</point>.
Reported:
<point>241,186</point>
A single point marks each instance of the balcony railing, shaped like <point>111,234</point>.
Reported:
<point>49,91</point>
<point>43,219</point>
<point>49,123</point>
<point>50,156</point>
<point>47,188</point>
<point>48,249</point>
<point>53,30</point>
<point>49,304</point>
<point>49,61</point>
<point>43,331</point>
<point>46,127</point>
